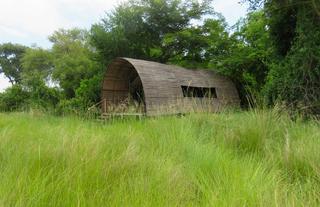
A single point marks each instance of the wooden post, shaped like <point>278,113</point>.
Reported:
<point>105,105</point>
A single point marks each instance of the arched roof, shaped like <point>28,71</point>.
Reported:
<point>162,83</point>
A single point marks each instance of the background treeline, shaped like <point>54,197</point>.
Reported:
<point>273,54</point>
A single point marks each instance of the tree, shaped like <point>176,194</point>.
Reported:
<point>10,61</point>
<point>89,91</point>
<point>294,29</point>
<point>73,59</point>
<point>198,46</point>
<point>244,55</point>
<point>38,60</point>
<point>40,94</point>
<point>14,98</point>
<point>138,28</point>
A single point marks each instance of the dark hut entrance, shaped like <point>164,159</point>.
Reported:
<point>122,90</point>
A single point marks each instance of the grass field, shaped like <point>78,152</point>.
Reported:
<point>256,158</point>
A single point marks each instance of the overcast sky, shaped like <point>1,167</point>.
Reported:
<point>30,22</point>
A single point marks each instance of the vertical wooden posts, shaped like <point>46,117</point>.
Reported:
<point>105,105</point>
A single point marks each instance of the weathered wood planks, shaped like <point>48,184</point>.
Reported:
<point>161,86</point>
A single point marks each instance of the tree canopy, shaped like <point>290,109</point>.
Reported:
<point>294,29</point>
<point>10,61</point>
<point>138,28</point>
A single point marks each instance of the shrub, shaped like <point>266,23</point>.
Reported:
<point>14,98</point>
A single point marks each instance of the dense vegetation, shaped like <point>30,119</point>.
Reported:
<point>256,158</point>
<point>272,54</point>
<point>294,28</point>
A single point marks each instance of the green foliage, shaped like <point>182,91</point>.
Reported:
<point>32,93</point>
<point>87,95</point>
<point>184,48</point>
<point>73,59</point>
<point>197,46</point>
<point>71,107</point>
<point>71,65</point>
<point>244,56</point>
<point>40,95</point>
<point>295,79</point>
<point>37,60</point>
<point>14,98</point>
<point>294,71</point>
<point>254,158</point>
<point>137,29</point>
<point>10,61</point>
<point>89,90</point>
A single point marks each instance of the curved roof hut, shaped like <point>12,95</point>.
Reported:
<point>150,88</point>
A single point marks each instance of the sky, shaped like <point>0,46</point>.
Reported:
<point>30,22</point>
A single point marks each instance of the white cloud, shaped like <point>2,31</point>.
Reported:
<point>4,83</point>
<point>12,31</point>
<point>32,17</point>
<point>232,10</point>
<point>23,19</point>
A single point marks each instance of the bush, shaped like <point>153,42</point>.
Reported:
<point>14,99</point>
<point>32,93</point>
<point>75,107</point>
<point>295,80</point>
<point>89,91</point>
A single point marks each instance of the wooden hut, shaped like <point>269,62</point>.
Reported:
<point>152,88</point>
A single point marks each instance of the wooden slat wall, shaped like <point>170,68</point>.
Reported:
<point>162,86</point>
<point>115,89</point>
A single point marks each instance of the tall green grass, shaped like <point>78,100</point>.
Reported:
<point>255,158</point>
